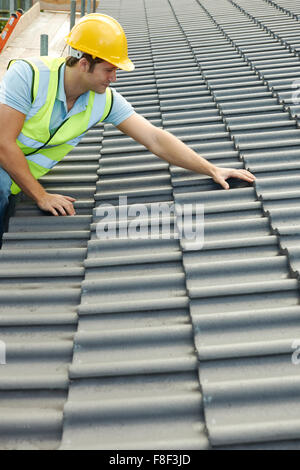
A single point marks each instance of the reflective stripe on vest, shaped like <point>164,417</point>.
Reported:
<point>42,150</point>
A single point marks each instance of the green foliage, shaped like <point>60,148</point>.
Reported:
<point>2,24</point>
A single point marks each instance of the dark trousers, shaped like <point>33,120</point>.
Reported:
<point>5,184</point>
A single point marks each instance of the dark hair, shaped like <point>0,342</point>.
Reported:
<point>71,61</point>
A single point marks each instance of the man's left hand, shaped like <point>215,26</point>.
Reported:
<point>220,176</point>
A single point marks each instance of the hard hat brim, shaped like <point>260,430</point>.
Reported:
<point>127,65</point>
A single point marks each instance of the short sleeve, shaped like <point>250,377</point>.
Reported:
<point>15,87</point>
<point>121,109</point>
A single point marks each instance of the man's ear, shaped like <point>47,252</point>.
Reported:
<point>84,64</point>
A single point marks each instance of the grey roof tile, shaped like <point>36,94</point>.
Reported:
<point>236,271</point>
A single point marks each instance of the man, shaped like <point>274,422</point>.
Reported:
<point>47,105</point>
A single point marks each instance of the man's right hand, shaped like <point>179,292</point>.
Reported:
<point>13,161</point>
<point>57,204</point>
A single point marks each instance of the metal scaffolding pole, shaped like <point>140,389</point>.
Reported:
<point>11,6</point>
<point>82,7</point>
<point>44,44</point>
<point>73,13</point>
<point>28,4</point>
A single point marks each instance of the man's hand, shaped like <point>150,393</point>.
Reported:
<point>57,204</point>
<point>220,175</point>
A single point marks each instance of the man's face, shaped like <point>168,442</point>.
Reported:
<point>103,74</point>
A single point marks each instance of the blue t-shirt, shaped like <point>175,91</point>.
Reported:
<point>15,91</point>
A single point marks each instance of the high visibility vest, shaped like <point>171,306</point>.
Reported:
<point>43,151</point>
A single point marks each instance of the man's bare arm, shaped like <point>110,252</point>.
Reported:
<point>14,162</point>
<point>168,147</point>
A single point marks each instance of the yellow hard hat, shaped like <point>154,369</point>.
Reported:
<point>101,36</point>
